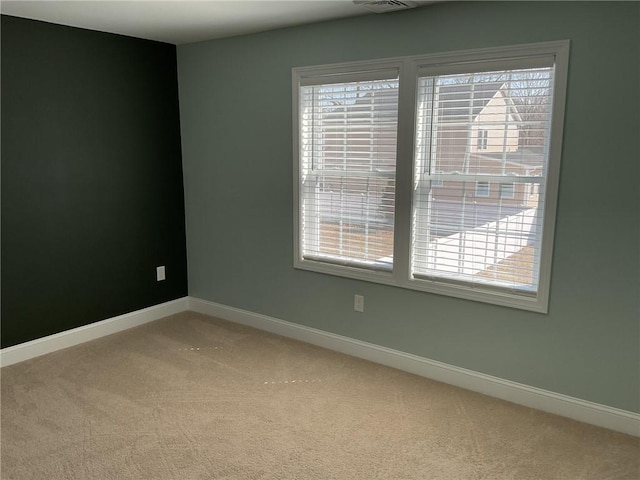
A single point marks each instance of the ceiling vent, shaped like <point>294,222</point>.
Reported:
<point>384,6</point>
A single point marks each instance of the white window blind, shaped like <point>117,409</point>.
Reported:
<point>484,137</point>
<point>347,141</point>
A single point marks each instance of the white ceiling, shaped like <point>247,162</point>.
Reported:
<point>182,21</point>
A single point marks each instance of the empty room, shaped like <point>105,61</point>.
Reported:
<point>320,240</point>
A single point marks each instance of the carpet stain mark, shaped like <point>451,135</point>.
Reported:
<point>195,349</point>
<point>299,382</point>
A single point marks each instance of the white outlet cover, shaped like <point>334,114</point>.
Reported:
<point>358,303</point>
<point>160,273</point>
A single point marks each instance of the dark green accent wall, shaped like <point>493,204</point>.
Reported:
<point>235,102</point>
<point>92,195</point>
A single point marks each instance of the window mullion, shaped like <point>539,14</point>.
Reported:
<point>404,171</point>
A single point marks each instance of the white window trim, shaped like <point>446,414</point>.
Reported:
<point>451,62</point>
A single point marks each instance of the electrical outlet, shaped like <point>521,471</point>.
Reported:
<point>358,303</point>
<point>160,274</point>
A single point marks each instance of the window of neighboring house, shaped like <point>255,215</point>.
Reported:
<point>354,123</point>
<point>483,189</point>
<point>483,139</point>
<point>507,190</point>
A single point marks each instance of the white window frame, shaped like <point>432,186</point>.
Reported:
<point>355,71</point>
<point>519,56</point>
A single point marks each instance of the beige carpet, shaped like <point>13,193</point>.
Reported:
<point>191,397</point>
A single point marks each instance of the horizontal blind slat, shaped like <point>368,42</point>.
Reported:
<point>350,77</point>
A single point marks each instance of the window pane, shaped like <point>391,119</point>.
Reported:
<point>507,190</point>
<point>348,159</point>
<point>489,123</point>
<point>485,137</point>
<point>482,189</point>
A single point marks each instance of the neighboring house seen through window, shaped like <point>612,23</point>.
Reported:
<point>440,225</point>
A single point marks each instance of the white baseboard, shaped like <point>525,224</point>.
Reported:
<point>566,406</point>
<point>69,338</point>
<point>571,407</point>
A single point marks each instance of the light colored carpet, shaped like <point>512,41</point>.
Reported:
<point>192,397</point>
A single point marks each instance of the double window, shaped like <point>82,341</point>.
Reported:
<point>396,162</point>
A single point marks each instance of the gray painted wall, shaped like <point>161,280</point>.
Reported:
<point>235,101</point>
